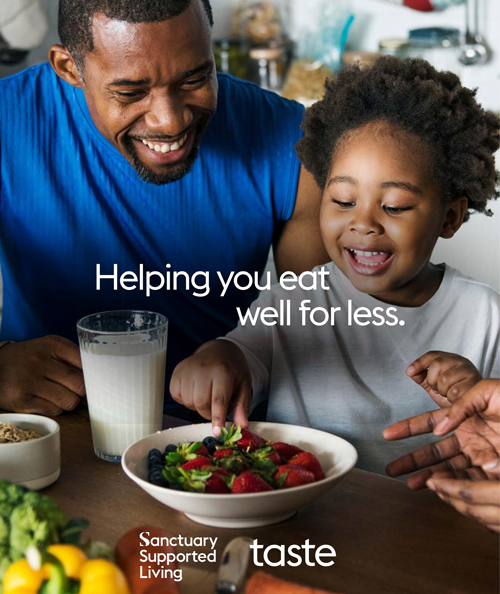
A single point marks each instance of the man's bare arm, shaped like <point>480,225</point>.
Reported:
<point>298,245</point>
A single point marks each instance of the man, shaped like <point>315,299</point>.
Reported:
<point>117,157</point>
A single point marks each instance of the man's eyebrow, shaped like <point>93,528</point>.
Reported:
<point>204,66</point>
<point>401,186</point>
<point>126,82</point>
<point>343,178</point>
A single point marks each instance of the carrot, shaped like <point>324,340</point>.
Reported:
<point>128,559</point>
<point>263,583</point>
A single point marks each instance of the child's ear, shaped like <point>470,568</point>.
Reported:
<point>454,217</point>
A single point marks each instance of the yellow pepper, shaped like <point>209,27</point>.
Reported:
<point>62,562</point>
<point>99,575</point>
<point>72,559</point>
<point>21,576</point>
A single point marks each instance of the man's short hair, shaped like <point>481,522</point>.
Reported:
<point>75,18</point>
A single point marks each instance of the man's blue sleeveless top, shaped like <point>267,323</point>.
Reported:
<point>69,200</point>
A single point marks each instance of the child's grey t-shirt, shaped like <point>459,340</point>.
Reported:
<point>349,379</point>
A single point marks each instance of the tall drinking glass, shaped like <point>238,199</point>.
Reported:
<point>123,357</point>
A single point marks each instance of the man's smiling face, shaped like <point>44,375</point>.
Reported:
<point>151,90</point>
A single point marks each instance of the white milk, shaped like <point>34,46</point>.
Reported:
<point>125,389</point>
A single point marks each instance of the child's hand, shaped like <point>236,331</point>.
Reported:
<point>444,376</point>
<point>211,380</point>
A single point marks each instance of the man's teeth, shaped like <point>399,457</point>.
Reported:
<point>165,147</point>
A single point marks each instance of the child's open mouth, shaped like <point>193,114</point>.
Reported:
<point>368,262</point>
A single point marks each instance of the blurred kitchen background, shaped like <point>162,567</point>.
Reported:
<point>290,46</point>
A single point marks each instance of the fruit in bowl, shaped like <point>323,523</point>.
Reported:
<point>239,462</point>
<point>335,458</point>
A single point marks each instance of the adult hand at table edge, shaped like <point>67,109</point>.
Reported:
<point>476,498</point>
<point>42,376</point>
<point>476,441</point>
<point>444,376</point>
<point>213,380</point>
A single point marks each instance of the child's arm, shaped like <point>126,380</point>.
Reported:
<point>444,376</point>
<point>213,378</point>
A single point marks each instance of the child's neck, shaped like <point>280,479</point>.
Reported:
<point>418,290</point>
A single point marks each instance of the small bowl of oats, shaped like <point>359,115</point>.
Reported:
<point>30,450</point>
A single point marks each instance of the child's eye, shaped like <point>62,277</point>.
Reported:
<point>396,209</point>
<point>344,204</point>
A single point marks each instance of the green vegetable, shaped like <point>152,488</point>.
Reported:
<point>29,518</point>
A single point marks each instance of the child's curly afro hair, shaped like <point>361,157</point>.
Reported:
<point>412,95</point>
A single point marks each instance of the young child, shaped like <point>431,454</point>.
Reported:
<point>403,154</point>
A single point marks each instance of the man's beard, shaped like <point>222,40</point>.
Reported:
<point>178,170</point>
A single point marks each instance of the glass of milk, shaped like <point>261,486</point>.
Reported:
<point>123,358</point>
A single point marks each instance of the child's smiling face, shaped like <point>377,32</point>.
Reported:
<point>382,214</point>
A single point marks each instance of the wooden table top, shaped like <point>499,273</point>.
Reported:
<point>387,539</point>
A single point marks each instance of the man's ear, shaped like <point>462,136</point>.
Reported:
<point>64,66</point>
<point>455,212</point>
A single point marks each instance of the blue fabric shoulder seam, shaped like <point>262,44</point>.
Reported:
<point>22,72</point>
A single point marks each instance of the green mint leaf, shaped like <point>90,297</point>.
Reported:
<point>281,481</point>
<point>174,458</point>
<point>172,474</point>
<point>229,480</point>
<point>237,434</point>
<point>194,447</point>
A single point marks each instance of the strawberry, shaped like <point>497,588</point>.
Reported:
<point>202,451</point>
<point>293,476</point>
<point>242,438</point>
<point>247,482</point>
<point>216,484</point>
<point>286,451</point>
<point>186,452</point>
<point>250,441</point>
<point>310,462</point>
<point>263,454</point>
<point>236,463</point>
<point>195,463</point>
<point>219,454</point>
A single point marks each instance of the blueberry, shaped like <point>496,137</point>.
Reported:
<point>211,443</point>
<point>176,487</point>
<point>209,440</point>
<point>170,448</point>
<point>155,466</point>
<point>155,455</point>
<point>156,478</point>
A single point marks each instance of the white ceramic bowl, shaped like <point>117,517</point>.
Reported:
<point>336,455</point>
<point>36,463</point>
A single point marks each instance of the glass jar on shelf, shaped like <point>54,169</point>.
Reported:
<point>438,45</point>
<point>261,23</point>
<point>394,46</point>
<point>267,67</point>
<point>231,56</point>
